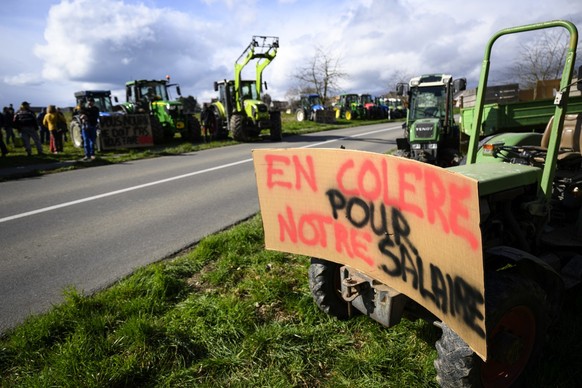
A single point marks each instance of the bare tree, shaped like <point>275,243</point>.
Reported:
<point>321,74</point>
<point>398,76</point>
<point>542,59</point>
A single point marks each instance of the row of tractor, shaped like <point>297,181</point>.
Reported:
<point>238,111</point>
<point>350,106</point>
<point>149,114</point>
<point>486,249</point>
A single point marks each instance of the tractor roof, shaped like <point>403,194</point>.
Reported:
<point>93,93</point>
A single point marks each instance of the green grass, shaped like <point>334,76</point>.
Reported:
<point>230,313</point>
<point>227,313</point>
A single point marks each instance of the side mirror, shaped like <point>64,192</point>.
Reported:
<point>266,85</point>
<point>115,99</point>
<point>579,75</point>
<point>216,86</point>
<point>178,91</point>
<point>459,84</point>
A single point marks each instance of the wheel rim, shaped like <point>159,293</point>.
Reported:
<point>512,343</point>
<point>300,116</point>
<point>348,115</point>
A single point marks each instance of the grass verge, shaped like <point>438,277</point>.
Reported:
<point>230,313</point>
<point>227,313</point>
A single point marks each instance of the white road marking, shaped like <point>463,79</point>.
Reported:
<point>111,193</point>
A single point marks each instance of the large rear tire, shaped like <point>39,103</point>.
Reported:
<point>239,132</point>
<point>276,131</point>
<point>157,130</point>
<point>75,132</point>
<point>193,131</point>
<point>300,115</point>
<point>325,286</point>
<point>517,319</point>
<point>215,126</point>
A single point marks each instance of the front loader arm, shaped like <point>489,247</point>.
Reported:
<point>263,48</point>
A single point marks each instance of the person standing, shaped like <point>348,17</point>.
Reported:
<point>44,132</point>
<point>53,121</point>
<point>8,118</point>
<point>3,148</point>
<point>25,122</point>
<point>63,127</point>
<point>89,121</point>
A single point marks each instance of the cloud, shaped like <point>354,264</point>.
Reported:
<point>105,43</point>
<point>112,41</point>
<point>23,79</point>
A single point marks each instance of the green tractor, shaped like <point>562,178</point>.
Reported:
<point>396,108</point>
<point>239,110</point>
<point>168,117</point>
<point>349,107</point>
<point>486,251</point>
<point>430,132</point>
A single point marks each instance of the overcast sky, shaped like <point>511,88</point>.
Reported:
<point>51,48</point>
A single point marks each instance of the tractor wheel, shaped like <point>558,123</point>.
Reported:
<point>239,132</point>
<point>157,130</point>
<point>448,157</point>
<point>325,286</point>
<point>192,132</point>
<point>168,133</point>
<point>517,320</point>
<point>75,131</point>
<point>215,128</point>
<point>402,154</point>
<point>300,115</point>
<point>350,115</point>
<point>276,126</point>
<point>338,113</point>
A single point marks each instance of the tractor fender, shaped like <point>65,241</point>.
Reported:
<point>530,266</point>
<point>220,108</point>
<point>509,139</point>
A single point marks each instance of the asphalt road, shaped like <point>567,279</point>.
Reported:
<point>88,228</point>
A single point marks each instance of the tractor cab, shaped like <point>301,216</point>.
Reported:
<point>168,115</point>
<point>430,132</point>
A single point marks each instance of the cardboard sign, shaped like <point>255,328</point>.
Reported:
<point>410,225</point>
<point>125,131</point>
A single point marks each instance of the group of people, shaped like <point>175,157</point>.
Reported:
<point>49,126</point>
<point>28,125</point>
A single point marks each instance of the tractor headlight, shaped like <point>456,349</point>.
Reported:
<point>432,146</point>
<point>415,146</point>
<point>491,149</point>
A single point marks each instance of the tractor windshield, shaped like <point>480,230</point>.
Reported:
<point>427,102</point>
<point>249,90</point>
<point>314,100</point>
<point>367,99</point>
<point>104,104</point>
<point>352,99</point>
<point>154,92</point>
